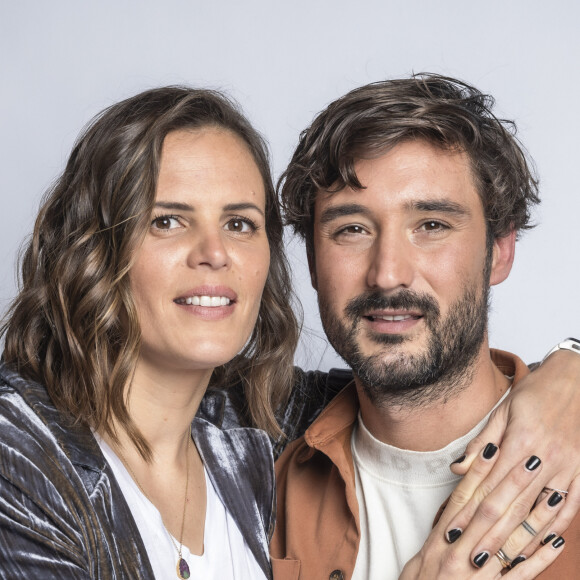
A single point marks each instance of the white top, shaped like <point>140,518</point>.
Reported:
<point>399,493</point>
<point>225,556</point>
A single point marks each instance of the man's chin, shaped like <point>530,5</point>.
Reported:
<point>390,346</point>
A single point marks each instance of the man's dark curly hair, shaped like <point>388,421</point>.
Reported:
<point>443,111</point>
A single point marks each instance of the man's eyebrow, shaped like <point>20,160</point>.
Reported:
<point>337,211</point>
<point>178,206</point>
<point>443,206</point>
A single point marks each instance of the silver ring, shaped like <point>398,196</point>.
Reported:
<point>562,492</point>
<point>503,559</point>
<point>529,528</point>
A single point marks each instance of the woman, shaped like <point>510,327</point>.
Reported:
<point>155,270</point>
<point>156,264</point>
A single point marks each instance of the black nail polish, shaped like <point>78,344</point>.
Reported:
<point>453,535</point>
<point>533,463</point>
<point>459,460</point>
<point>558,542</point>
<point>555,499</point>
<point>548,539</point>
<point>517,561</point>
<point>481,558</point>
<point>489,452</point>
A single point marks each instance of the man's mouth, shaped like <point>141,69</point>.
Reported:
<point>207,301</point>
<point>392,317</point>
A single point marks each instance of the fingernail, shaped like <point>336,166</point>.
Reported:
<point>533,463</point>
<point>555,499</point>
<point>453,534</point>
<point>548,539</point>
<point>459,460</point>
<point>558,542</point>
<point>489,452</point>
<point>481,558</point>
<point>517,561</point>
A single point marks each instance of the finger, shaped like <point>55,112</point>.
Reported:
<point>529,568</point>
<point>465,489</point>
<point>493,431</point>
<point>526,537</point>
<point>570,508</point>
<point>487,506</point>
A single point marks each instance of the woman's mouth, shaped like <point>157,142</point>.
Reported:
<point>207,301</point>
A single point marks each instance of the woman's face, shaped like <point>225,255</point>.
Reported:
<point>197,280</point>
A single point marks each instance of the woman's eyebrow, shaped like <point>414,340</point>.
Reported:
<point>174,205</point>
<point>179,206</point>
<point>242,206</point>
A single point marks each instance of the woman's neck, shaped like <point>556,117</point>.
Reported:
<point>163,403</point>
<point>162,406</point>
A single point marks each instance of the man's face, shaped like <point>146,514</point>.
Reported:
<point>402,270</point>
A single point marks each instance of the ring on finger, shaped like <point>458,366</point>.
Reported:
<point>529,528</point>
<point>562,492</point>
<point>503,559</point>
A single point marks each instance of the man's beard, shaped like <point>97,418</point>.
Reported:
<point>438,372</point>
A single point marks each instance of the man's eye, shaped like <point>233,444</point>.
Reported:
<point>241,225</point>
<point>433,226</point>
<point>350,230</point>
<point>165,222</point>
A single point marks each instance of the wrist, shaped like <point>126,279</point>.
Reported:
<point>570,344</point>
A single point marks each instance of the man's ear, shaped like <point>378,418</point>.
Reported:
<point>312,268</point>
<point>503,257</point>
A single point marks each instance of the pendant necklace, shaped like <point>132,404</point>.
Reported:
<point>182,567</point>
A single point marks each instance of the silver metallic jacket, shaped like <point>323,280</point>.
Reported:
<point>62,513</point>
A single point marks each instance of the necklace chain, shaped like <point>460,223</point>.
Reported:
<point>126,464</point>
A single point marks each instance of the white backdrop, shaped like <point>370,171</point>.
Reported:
<point>62,61</point>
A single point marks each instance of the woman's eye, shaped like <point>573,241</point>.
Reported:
<point>240,225</point>
<point>165,222</point>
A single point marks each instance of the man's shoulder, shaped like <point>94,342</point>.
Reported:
<point>311,393</point>
<point>508,363</point>
<point>327,438</point>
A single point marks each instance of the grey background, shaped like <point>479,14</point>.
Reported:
<point>63,61</point>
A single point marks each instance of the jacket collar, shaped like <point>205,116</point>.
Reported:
<point>336,421</point>
<point>240,465</point>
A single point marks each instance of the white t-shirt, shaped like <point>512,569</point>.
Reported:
<point>225,556</point>
<point>399,493</point>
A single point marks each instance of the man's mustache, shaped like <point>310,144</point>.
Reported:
<point>403,300</point>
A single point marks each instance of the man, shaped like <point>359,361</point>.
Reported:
<point>410,195</point>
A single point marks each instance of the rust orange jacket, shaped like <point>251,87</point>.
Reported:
<point>317,528</point>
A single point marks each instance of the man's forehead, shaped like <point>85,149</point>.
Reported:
<point>436,173</point>
<point>410,154</point>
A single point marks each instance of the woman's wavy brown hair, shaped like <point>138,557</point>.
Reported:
<point>73,326</point>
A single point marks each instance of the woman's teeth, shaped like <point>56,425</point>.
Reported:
<point>211,301</point>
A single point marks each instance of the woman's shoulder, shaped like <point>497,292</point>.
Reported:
<point>60,501</point>
<point>38,441</point>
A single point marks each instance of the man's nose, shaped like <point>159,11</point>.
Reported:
<point>391,262</point>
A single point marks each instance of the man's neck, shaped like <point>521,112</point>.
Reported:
<point>434,425</point>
